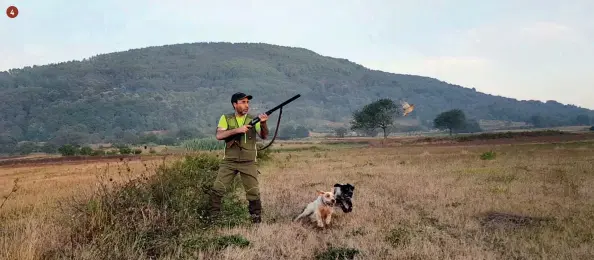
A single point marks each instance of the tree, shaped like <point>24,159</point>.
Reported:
<point>86,150</point>
<point>68,150</point>
<point>469,126</point>
<point>301,132</point>
<point>340,132</point>
<point>537,121</point>
<point>582,120</point>
<point>453,119</point>
<point>286,132</point>
<point>378,114</point>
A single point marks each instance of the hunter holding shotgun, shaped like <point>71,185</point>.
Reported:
<point>239,156</point>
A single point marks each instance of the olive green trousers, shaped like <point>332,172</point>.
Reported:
<point>248,172</point>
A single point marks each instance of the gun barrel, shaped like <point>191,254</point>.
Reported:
<point>282,104</point>
<point>257,119</point>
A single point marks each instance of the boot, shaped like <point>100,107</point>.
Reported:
<point>255,209</point>
<point>214,208</point>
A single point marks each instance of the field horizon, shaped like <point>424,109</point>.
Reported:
<point>467,197</point>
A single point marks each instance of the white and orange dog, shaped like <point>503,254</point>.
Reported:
<point>321,209</point>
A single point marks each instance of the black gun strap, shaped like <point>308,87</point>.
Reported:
<point>280,113</point>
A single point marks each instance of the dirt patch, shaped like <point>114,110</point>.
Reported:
<point>67,159</point>
<point>510,221</point>
<point>489,140</point>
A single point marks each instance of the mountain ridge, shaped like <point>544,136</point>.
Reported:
<point>188,85</point>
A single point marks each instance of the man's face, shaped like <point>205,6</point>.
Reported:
<point>242,106</point>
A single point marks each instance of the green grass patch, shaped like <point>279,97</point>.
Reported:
<point>490,155</point>
<point>203,144</point>
<point>333,253</point>
<point>398,237</point>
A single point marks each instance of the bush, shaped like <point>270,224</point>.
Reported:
<point>592,128</point>
<point>490,155</point>
<point>152,217</point>
<point>68,150</point>
<point>125,150</point>
<point>137,151</point>
<point>98,152</point>
<point>85,150</point>
<point>264,155</point>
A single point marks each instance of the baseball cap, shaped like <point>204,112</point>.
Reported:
<point>238,96</point>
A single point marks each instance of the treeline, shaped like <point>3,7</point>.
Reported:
<point>380,117</point>
<point>549,121</point>
<point>79,138</point>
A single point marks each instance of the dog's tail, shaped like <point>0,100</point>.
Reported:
<point>303,214</point>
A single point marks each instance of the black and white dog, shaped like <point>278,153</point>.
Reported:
<point>343,193</point>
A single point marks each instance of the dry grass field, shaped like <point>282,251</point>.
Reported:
<point>460,201</point>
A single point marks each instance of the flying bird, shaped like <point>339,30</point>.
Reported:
<point>406,107</point>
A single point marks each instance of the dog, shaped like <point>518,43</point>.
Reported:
<point>344,196</point>
<point>321,209</point>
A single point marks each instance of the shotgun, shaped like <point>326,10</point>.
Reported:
<point>237,138</point>
<point>257,119</point>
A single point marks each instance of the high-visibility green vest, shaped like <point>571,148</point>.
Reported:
<point>246,150</point>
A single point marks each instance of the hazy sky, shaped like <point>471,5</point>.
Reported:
<point>531,49</point>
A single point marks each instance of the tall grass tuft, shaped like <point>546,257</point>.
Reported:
<point>203,144</point>
<point>152,217</point>
<point>212,144</point>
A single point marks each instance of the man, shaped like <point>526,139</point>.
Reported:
<point>239,156</point>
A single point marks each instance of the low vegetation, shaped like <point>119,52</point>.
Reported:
<point>153,216</point>
<point>411,202</point>
<point>498,136</point>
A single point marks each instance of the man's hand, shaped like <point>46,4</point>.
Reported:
<point>243,129</point>
<point>263,117</point>
<point>263,126</point>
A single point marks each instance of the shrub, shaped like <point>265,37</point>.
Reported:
<point>137,151</point>
<point>264,155</point>
<point>68,150</point>
<point>85,150</point>
<point>490,155</point>
<point>125,150</point>
<point>97,152</point>
<point>153,217</point>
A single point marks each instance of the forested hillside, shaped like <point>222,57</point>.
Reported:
<point>185,87</point>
